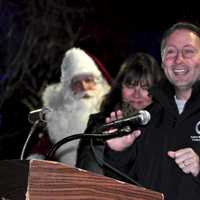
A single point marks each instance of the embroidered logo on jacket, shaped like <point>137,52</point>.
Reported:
<point>197,127</point>
<point>196,138</point>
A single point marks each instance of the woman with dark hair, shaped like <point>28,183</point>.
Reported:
<point>129,93</point>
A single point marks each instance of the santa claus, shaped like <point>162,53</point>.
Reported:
<point>84,83</point>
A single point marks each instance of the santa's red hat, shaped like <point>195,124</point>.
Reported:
<point>77,62</point>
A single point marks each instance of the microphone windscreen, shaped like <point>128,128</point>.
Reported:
<point>39,114</point>
<point>145,117</point>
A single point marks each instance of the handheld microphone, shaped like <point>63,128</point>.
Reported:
<point>141,117</point>
<point>38,114</point>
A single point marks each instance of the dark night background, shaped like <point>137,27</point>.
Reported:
<point>34,34</point>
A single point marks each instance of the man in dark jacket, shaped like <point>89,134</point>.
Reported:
<point>165,156</point>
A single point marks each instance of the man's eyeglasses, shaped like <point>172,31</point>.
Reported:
<point>171,53</point>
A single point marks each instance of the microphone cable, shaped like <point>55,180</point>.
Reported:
<point>101,162</point>
<point>28,139</point>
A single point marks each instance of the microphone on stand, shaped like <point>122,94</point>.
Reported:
<point>38,114</point>
<point>125,126</point>
<point>38,119</point>
<point>141,117</point>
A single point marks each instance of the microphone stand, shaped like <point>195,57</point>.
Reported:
<point>117,133</point>
<point>28,139</point>
<point>96,135</point>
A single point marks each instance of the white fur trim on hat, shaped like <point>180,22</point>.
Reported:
<point>77,62</point>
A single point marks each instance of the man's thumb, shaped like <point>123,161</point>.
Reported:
<point>171,154</point>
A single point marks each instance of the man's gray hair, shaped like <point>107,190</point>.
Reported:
<point>178,26</point>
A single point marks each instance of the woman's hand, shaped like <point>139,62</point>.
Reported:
<point>120,143</point>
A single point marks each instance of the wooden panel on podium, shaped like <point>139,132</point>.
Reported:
<point>47,180</point>
<point>52,180</point>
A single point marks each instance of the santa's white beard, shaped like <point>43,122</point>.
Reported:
<point>69,119</point>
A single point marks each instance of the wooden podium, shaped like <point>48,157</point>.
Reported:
<point>47,180</point>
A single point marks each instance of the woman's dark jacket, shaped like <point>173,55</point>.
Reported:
<point>86,158</point>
